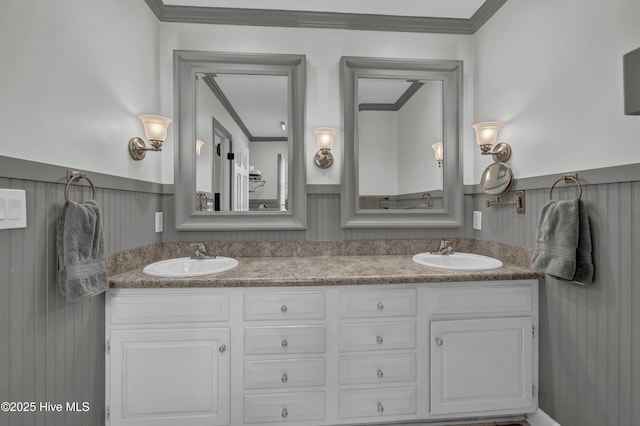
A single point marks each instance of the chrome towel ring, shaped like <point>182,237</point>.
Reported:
<point>571,177</point>
<point>74,176</point>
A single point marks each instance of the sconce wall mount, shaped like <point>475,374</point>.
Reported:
<point>486,135</point>
<point>155,129</point>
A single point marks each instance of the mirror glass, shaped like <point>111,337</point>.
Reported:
<point>398,113</point>
<point>398,122</point>
<point>240,141</point>
<point>496,179</point>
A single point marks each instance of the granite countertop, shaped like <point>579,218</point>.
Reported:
<point>310,270</point>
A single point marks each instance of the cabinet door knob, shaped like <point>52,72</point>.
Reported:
<point>380,306</point>
<point>285,413</point>
<point>380,408</point>
<point>283,308</point>
<point>379,340</point>
<point>285,378</point>
<point>439,341</point>
<point>222,349</point>
<point>380,373</point>
<point>284,343</point>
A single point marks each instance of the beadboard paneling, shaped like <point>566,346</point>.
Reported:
<point>51,350</point>
<point>589,335</point>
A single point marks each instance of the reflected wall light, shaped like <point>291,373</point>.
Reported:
<point>438,152</point>
<point>199,143</point>
<point>155,129</point>
<point>324,138</point>
<point>486,136</point>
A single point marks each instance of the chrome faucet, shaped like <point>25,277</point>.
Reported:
<point>200,252</point>
<point>445,248</point>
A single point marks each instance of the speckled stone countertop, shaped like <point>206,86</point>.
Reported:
<point>309,263</point>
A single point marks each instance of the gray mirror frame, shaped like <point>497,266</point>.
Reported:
<point>450,72</point>
<point>186,63</point>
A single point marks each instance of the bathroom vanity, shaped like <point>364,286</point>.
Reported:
<point>238,349</point>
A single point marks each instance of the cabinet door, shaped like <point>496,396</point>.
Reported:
<point>166,377</point>
<point>481,365</point>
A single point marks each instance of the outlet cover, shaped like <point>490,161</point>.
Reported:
<point>477,220</point>
<point>13,208</point>
<point>159,222</point>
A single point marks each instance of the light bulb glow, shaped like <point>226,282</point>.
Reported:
<point>155,126</point>
<point>325,137</point>
<point>199,143</point>
<point>487,132</point>
<point>438,151</point>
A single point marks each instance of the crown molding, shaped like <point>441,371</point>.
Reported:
<point>308,19</point>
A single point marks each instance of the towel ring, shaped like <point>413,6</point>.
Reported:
<point>77,176</point>
<point>570,177</point>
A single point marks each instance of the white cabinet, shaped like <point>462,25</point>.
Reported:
<point>321,355</point>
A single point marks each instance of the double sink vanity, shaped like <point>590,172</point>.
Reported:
<point>322,333</point>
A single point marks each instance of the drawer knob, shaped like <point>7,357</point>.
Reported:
<point>285,378</point>
<point>439,341</point>
<point>380,306</point>
<point>222,349</point>
<point>380,373</point>
<point>284,343</point>
<point>380,408</point>
<point>285,413</point>
<point>283,308</point>
<point>379,340</point>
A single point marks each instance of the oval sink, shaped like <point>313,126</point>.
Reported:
<point>458,261</point>
<point>182,267</point>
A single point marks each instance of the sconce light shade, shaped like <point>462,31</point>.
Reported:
<point>155,129</point>
<point>324,139</point>
<point>438,152</point>
<point>199,143</point>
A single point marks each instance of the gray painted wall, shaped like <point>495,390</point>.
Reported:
<point>589,336</point>
<point>51,350</point>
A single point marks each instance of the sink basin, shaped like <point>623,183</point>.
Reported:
<point>458,261</point>
<point>182,267</point>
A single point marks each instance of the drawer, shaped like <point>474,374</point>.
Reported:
<point>372,336</point>
<point>295,339</point>
<point>353,370</point>
<point>168,307</point>
<point>284,407</point>
<point>284,373</point>
<point>479,299</point>
<point>377,303</point>
<point>284,305</point>
<point>377,402</point>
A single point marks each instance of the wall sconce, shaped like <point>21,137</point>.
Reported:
<point>486,135</point>
<point>324,137</point>
<point>155,129</point>
<point>438,152</point>
<point>199,143</point>
<point>283,126</point>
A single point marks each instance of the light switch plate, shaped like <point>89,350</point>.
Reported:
<point>477,220</point>
<point>159,220</point>
<point>13,208</point>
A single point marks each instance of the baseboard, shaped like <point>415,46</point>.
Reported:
<point>540,418</point>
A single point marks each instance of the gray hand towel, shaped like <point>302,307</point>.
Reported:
<point>80,246</point>
<point>563,242</point>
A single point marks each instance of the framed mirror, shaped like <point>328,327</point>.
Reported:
<point>239,158</point>
<point>402,163</point>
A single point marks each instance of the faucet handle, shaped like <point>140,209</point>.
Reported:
<point>199,247</point>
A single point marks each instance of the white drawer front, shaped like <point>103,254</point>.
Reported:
<point>377,303</point>
<point>376,369</point>
<point>284,306</point>
<point>383,335</point>
<point>281,374</point>
<point>377,402</point>
<point>284,407</point>
<point>303,339</point>
<point>169,307</point>
<point>480,299</point>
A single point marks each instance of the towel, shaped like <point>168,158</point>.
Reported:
<point>563,242</point>
<point>80,246</point>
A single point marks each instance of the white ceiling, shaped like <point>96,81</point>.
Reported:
<point>461,9</point>
<point>380,91</point>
